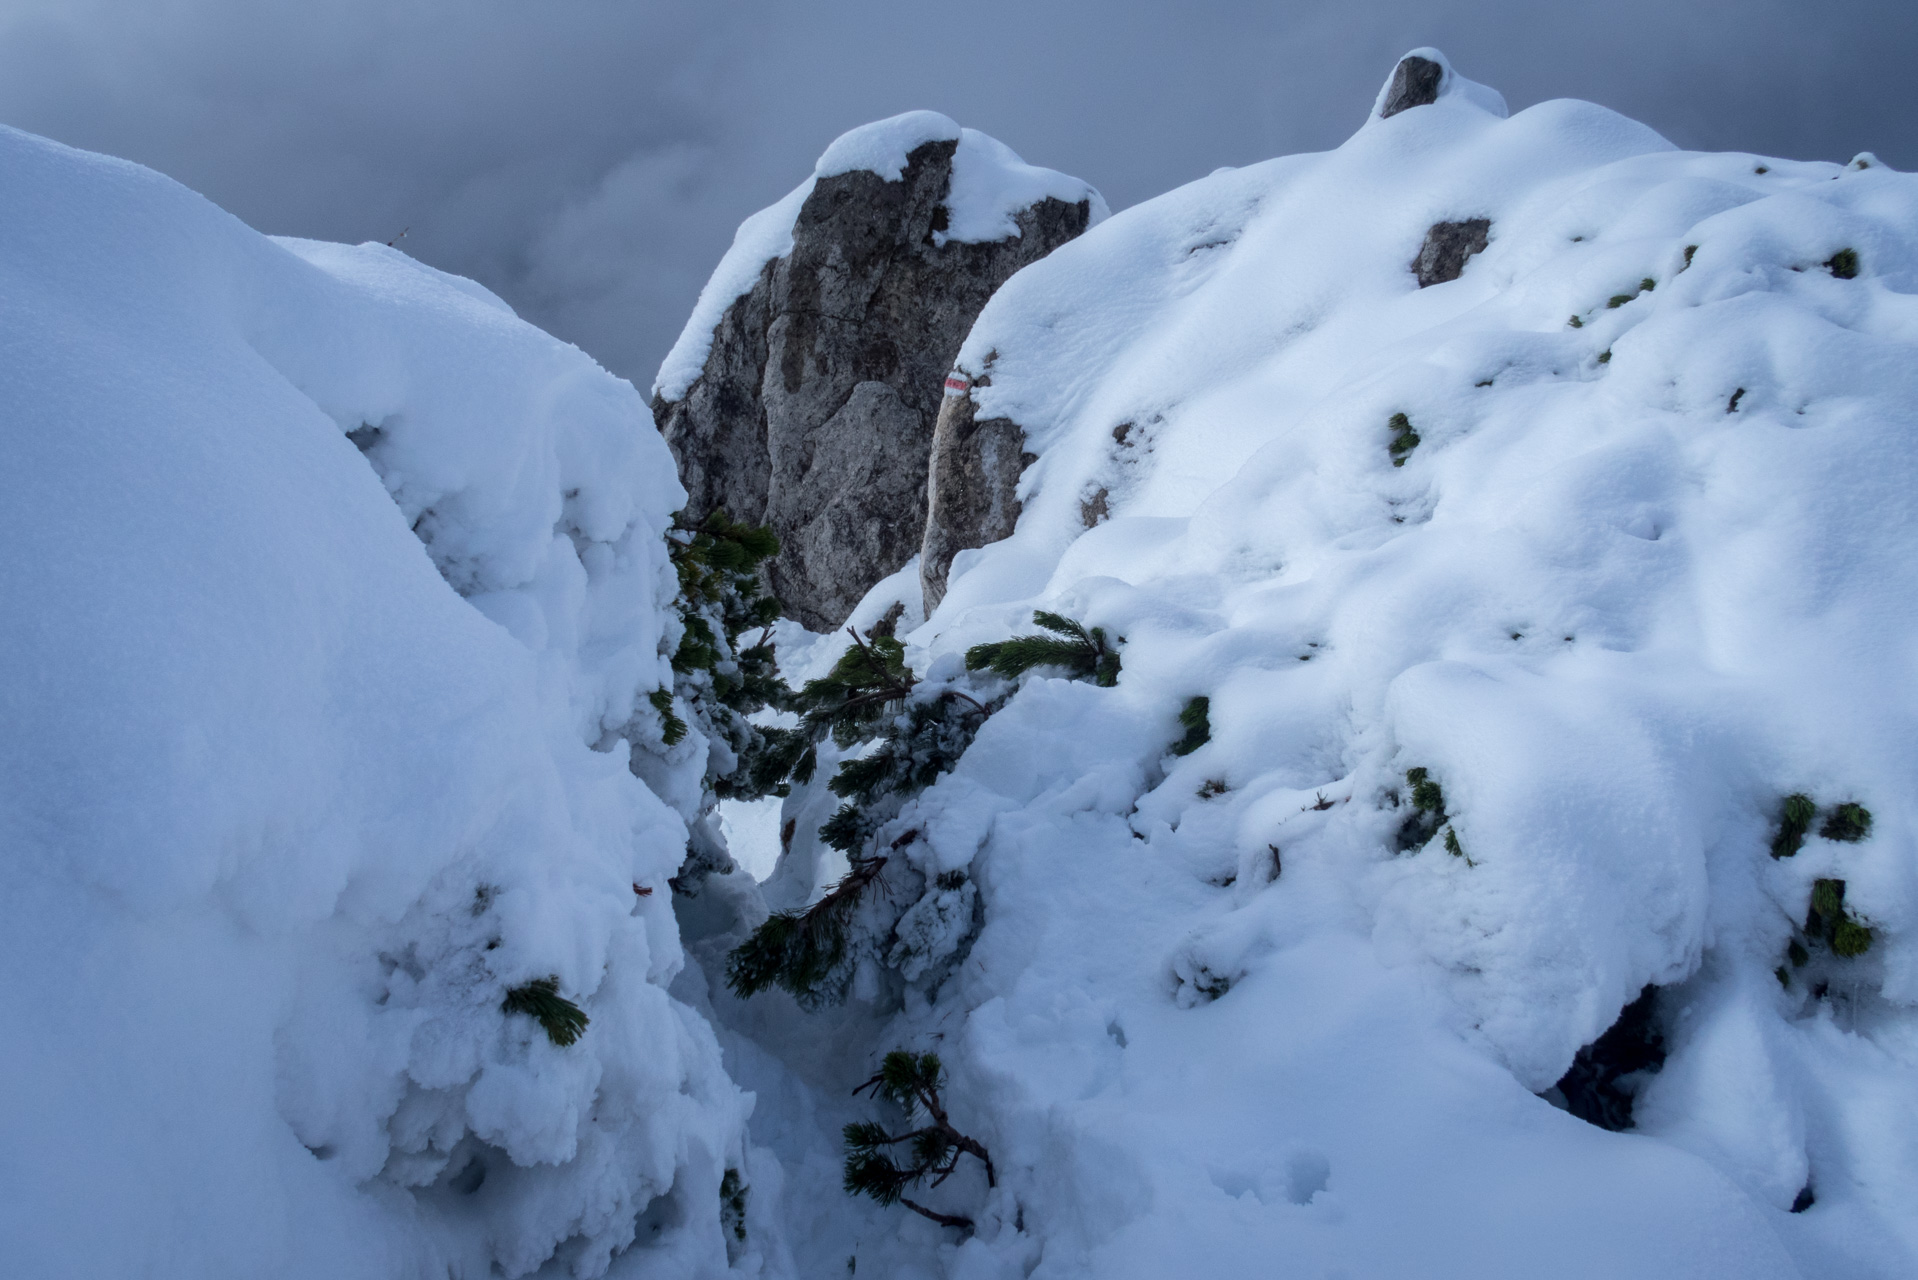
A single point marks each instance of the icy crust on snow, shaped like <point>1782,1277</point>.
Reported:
<point>1641,577</point>
<point>990,185</point>
<point>284,814</point>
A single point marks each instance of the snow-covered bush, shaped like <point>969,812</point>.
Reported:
<point>325,575</point>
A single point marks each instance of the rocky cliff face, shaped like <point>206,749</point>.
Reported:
<point>973,487</point>
<point>814,408</point>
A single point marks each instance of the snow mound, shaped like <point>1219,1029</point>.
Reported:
<point>1611,534</point>
<point>285,815</point>
<point>990,185</point>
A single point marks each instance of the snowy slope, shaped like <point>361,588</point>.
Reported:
<point>1649,569</point>
<point>298,774</point>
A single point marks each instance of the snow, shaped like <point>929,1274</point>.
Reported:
<point>298,775</point>
<point>990,185</point>
<point>751,832</point>
<point>1641,578</point>
<point>335,593</point>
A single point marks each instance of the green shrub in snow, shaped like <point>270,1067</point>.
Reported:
<point>916,735</point>
<point>885,1165</point>
<point>1849,822</point>
<point>1404,439</point>
<point>1849,938</point>
<point>732,1211</point>
<point>1196,716</point>
<point>804,952</point>
<point>1793,822</point>
<point>720,676</point>
<point>1828,921</point>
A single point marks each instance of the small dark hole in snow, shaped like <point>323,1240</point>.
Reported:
<point>469,1179</point>
<point>322,1152</point>
<point>1605,1076</point>
<point>1804,1200</point>
<point>1732,405</point>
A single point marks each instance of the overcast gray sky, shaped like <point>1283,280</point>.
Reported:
<point>589,159</point>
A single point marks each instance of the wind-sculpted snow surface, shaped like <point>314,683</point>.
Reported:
<point>285,816</point>
<point>1638,561</point>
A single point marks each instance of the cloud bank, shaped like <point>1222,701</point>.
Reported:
<point>588,160</point>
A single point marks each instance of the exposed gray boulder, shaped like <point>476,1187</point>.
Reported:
<point>1447,246</point>
<point>813,410</point>
<point>1415,83</point>
<point>972,491</point>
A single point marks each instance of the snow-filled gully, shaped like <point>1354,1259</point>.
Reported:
<point>1425,790</point>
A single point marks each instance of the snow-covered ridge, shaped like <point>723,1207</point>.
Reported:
<point>990,184</point>
<point>1612,535</point>
<point>285,815</point>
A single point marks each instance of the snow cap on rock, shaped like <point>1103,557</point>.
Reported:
<point>990,185</point>
<point>1425,76</point>
<point>884,145</point>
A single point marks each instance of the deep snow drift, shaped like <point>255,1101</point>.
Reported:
<point>1638,562</point>
<point>284,815</point>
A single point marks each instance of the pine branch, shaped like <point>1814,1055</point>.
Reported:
<point>1082,652</point>
<point>911,1081</point>
<point>798,950</point>
<point>540,999</point>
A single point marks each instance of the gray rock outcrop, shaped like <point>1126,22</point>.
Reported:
<point>815,409</point>
<point>1447,246</point>
<point>972,489</point>
<point>1415,83</point>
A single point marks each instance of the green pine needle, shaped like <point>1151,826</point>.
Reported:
<point>800,951</point>
<point>902,1075</point>
<point>1850,939</point>
<point>732,1204</point>
<point>1083,652</point>
<point>1404,439</point>
<point>672,729</point>
<point>1196,717</point>
<point>1427,796</point>
<point>1794,821</point>
<point>1849,822</point>
<point>1828,898</point>
<point>540,999</point>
